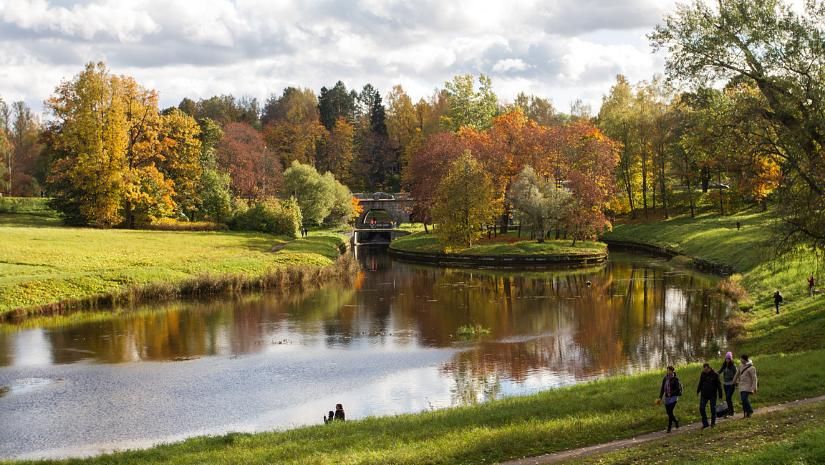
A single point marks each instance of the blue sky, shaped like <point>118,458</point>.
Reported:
<point>559,49</point>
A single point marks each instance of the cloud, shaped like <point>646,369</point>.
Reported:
<point>562,49</point>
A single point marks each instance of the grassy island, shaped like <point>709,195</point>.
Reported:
<point>47,265</point>
<point>503,245</point>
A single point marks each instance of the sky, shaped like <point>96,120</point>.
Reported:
<point>557,49</point>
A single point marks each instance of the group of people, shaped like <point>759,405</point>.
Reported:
<point>337,415</point>
<point>712,385</point>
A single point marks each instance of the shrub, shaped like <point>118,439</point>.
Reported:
<point>268,215</point>
<point>170,224</point>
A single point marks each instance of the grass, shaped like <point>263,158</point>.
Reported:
<point>553,420</point>
<point>502,245</point>
<point>796,435</point>
<point>42,264</point>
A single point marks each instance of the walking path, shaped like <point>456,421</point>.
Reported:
<point>572,454</point>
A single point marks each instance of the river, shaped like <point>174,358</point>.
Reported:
<point>388,343</point>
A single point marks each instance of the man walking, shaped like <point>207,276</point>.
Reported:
<point>748,383</point>
<point>777,300</point>
<point>709,389</point>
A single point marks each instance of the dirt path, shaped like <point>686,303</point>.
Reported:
<point>572,454</point>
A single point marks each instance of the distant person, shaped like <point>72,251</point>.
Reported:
<point>339,412</point>
<point>748,383</point>
<point>728,373</point>
<point>669,393</point>
<point>709,389</point>
<point>811,285</point>
<point>777,300</point>
<point>738,225</point>
<point>329,417</point>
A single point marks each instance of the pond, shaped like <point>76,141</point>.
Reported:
<point>387,343</point>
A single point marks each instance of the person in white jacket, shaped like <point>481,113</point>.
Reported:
<point>748,383</point>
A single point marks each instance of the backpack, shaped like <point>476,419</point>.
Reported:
<point>678,390</point>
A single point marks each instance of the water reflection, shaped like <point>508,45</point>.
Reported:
<point>546,327</point>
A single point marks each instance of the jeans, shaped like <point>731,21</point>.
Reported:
<point>703,403</point>
<point>729,390</point>
<point>671,418</point>
<point>746,403</point>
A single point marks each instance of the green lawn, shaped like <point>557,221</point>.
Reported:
<point>502,245</point>
<point>43,263</point>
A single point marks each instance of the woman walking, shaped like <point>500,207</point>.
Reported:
<point>669,393</point>
<point>727,373</point>
<point>748,383</point>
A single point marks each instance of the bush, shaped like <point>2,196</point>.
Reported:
<point>268,215</point>
<point>169,224</point>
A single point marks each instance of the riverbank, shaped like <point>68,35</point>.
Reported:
<point>48,268</point>
<point>507,250</point>
<point>586,414</point>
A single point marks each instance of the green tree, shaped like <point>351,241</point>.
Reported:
<point>215,195</point>
<point>540,203</point>
<point>780,51</point>
<point>468,106</point>
<point>464,201</point>
<point>314,193</point>
<point>336,103</point>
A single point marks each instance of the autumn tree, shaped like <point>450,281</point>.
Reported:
<point>254,170</point>
<point>463,202</point>
<point>181,151</point>
<point>23,151</point>
<point>536,109</point>
<point>616,119</point>
<point>402,124</point>
<point>337,152</point>
<point>426,168</point>
<point>291,126</point>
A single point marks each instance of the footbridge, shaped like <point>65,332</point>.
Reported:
<point>381,214</point>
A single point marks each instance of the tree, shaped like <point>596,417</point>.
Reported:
<point>464,201</point>
<point>616,120</point>
<point>468,107</point>
<point>402,126</point>
<point>180,148</point>
<point>336,103</point>
<point>427,167</point>
<point>781,52</point>
<point>215,195</point>
<point>24,151</point>
<point>541,203</point>
<point>536,108</point>
<point>337,152</point>
<point>294,105</point>
<point>87,181</point>
<point>254,170</point>
<point>314,193</point>
<point>377,164</point>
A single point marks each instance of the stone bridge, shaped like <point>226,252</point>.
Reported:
<point>382,213</point>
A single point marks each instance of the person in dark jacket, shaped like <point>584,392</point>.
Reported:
<point>709,389</point>
<point>670,391</point>
<point>329,418</point>
<point>777,300</point>
<point>339,412</point>
<point>728,373</point>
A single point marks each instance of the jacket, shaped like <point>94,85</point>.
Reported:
<point>675,389</point>
<point>709,385</point>
<point>727,373</point>
<point>746,378</point>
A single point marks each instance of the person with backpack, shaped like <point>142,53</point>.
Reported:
<point>777,300</point>
<point>727,373</point>
<point>748,383</point>
<point>669,393</point>
<point>708,389</point>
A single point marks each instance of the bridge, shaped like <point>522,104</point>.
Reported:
<point>381,214</point>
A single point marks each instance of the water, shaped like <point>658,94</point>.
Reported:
<point>386,344</point>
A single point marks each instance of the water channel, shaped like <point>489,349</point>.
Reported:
<point>385,344</point>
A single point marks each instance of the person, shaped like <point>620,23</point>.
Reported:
<point>777,300</point>
<point>748,383</point>
<point>339,412</point>
<point>709,389</point>
<point>329,417</point>
<point>738,225</point>
<point>727,373</point>
<point>811,285</point>
<point>670,391</point>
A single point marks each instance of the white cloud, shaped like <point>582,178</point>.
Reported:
<point>562,49</point>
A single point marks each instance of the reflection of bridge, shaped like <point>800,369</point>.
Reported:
<point>381,215</point>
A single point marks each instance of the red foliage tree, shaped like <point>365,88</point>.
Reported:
<point>254,170</point>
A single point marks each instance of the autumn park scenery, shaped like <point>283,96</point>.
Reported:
<point>412,232</point>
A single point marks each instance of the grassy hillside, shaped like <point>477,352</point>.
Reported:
<point>43,263</point>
